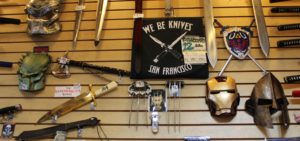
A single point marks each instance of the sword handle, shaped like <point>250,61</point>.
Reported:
<point>9,21</point>
<point>100,68</point>
<point>292,79</point>
<point>288,27</point>
<point>286,43</point>
<point>175,54</point>
<point>6,64</point>
<point>285,10</point>
<point>107,88</point>
<point>273,1</point>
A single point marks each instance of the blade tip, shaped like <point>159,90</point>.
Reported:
<point>96,43</point>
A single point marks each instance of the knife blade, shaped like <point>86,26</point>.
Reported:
<point>210,32</point>
<point>78,102</point>
<point>261,27</point>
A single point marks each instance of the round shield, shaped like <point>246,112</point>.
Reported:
<point>237,42</point>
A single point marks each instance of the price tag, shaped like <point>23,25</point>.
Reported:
<point>67,91</point>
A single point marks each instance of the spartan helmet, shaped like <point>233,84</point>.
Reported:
<point>222,97</point>
<point>43,16</point>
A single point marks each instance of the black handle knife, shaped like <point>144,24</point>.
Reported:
<point>285,10</point>
<point>51,131</point>
<point>286,43</point>
<point>288,27</point>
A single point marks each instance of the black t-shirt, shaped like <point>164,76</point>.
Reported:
<point>171,48</point>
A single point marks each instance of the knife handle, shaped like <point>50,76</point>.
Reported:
<point>285,43</point>
<point>288,27</point>
<point>285,10</point>
<point>292,79</point>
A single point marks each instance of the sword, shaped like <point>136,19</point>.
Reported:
<point>79,8</point>
<point>210,33</point>
<point>100,19</point>
<point>78,102</point>
<point>261,27</point>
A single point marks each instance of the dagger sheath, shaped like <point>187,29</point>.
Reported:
<point>78,101</point>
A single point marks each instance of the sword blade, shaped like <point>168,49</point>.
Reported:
<point>78,21</point>
<point>78,102</point>
<point>210,32</point>
<point>261,27</point>
<point>100,19</point>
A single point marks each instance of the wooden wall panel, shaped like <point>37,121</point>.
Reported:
<point>115,51</point>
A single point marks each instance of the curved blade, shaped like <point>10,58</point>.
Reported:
<point>78,102</point>
<point>210,32</point>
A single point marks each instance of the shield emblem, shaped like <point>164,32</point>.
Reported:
<point>237,41</point>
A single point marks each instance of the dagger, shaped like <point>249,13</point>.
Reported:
<point>79,8</point>
<point>210,33</point>
<point>78,101</point>
<point>100,19</point>
<point>261,27</point>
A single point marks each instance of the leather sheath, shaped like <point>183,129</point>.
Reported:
<point>137,40</point>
